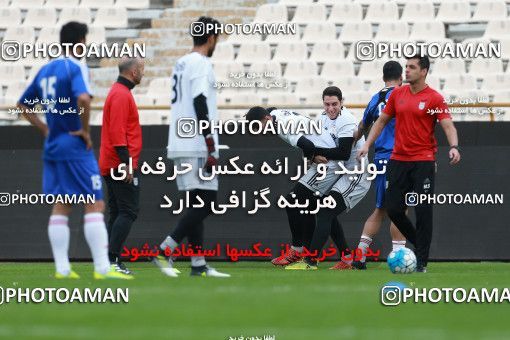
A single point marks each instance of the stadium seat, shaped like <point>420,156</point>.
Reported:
<point>151,117</point>
<point>25,4</point>
<point>253,52</point>
<point>369,69</point>
<point>481,67</point>
<point>41,17</point>
<point>242,38</point>
<point>340,68</point>
<point>404,2</point>
<point>382,11</point>
<point>354,31</point>
<point>270,13</point>
<point>295,2</point>
<point>433,81</point>
<point>224,51</point>
<point>454,12</point>
<point>33,72</point>
<point>161,99</point>
<point>226,70</point>
<point>345,83</point>
<point>97,35</point>
<point>301,69</point>
<point>392,31</point>
<point>11,73</point>
<point>324,51</point>
<point>48,35</point>
<point>497,29</point>
<point>456,82</point>
<point>61,3</point>
<point>74,14</point>
<point>489,10</point>
<point>319,32</point>
<point>160,86</point>
<point>278,38</point>
<point>143,100</point>
<point>346,12</point>
<point>20,33</point>
<point>112,17</point>
<point>290,51</point>
<point>310,85</point>
<point>4,3</point>
<point>427,30</point>
<point>445,66</point>
<point>242,98</point>
<point>281,99</point>
<point>15,89</point>
<point>359,97</point>
<point>493,82</point>
<point>133,4</point>
<point>10,17</point>
<point>272,68</point>
<point>502,96</point>
<point>309,13</point>
<point>96,3</point>
<point>505,50</point>
<point>418,11</point>
<point>312,98</point>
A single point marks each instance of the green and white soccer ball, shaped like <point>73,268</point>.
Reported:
<point>402,261</point>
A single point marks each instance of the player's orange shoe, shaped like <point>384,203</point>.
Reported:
<point>341,266</point>
<point>289,257</point>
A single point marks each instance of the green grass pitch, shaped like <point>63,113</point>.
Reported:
<point>258,300</point>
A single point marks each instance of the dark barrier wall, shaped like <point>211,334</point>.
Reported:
<point>461,232</point>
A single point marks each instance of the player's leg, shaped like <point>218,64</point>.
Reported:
<point>58,228</point>
<point>423,178</point>
<point>82,177</point>
<point>125,197</point>
<point>399,183</point>
<point>397,239</point>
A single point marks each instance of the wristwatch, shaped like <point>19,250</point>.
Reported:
<point>455,147</point>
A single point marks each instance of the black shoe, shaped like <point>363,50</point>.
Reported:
<point>359,265</point>
<point>421,269</point>
<point>121,268</point>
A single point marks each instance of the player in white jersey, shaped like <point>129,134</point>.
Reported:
<point>333,143</point>
<point>347,192</point>
<point>193,100</point>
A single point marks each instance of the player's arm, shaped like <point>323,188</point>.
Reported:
<point>33,119</point>
<point>118,127</point>
<point>202,111</point>
<point>341,153</point>
<point>453,140</point>
<point>84,101</point>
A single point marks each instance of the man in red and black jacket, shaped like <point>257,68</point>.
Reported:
<point>121,139</point>
<point>411,169</point>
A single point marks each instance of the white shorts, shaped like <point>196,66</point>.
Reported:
<point>352,189</point>
<point>191,180</point>
<point>324,185</point>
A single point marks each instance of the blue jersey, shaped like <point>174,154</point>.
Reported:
<point>57,86</point>
<point>384,143</point>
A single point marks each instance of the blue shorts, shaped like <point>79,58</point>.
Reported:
<point>72,177</point>
<point>380,184</point>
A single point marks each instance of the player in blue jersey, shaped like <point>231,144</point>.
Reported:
<point>62,88</point>
<point>392,76</point>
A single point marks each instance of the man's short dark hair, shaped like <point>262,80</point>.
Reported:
<point>203,28</point>
<point>423,60</point>
<point>256,113</point>
<point>392,70</point>
<point>332,91</point>
<point>73,32</point>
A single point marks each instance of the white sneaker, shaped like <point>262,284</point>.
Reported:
<point>165,265</point>
<point>207,271</point>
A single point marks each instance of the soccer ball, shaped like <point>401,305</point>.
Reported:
<point>402,261</point>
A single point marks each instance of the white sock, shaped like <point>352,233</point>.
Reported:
<point>398,244</point>
<point>364,244</point>
<point>168,243</point>
<point>97,239</point>
<point>58,232</point>
<point>298,249</point>
<point>197,261</point>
